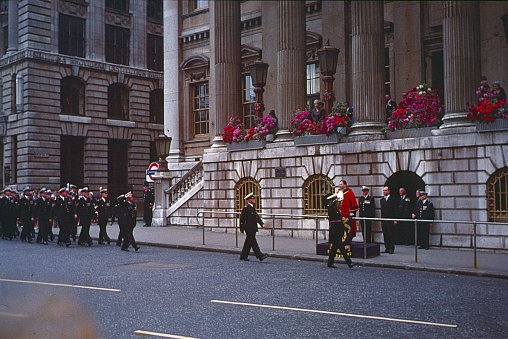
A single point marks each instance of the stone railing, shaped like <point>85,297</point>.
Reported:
<point>186,184</point>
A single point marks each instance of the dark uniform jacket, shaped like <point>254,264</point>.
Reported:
<point>127,213</point>
<point>335,217</point>
<point>367,206</point>
<point>42,209</point>
<point>404,207</point>
<point>85,210</point>
<point>424,210</point>
<point>249,219</point>
<point>388,208</point>
<point>63,210</point>
<point>25,209</point>
<point>148,198</point>
<point>103,208</point>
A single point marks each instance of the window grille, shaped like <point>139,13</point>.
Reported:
<point>497,196</point>
<point>243,187</point>
<point>315,190</point>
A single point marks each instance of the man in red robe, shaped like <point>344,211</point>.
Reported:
<point>349,204</point>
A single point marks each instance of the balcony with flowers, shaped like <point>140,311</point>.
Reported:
<point>491,109</point>
<point>239,138</point>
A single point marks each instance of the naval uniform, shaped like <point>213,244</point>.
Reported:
<point>249,220</point>
<point>367,206</point>
<point>424,210</point>
<point>25,211</point>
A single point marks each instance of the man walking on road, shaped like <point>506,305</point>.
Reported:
<point>249,220</point>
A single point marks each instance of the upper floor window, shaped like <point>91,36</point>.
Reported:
<point>387,70</point>
<point>497,196</point>
<point>199,4</point>
<point>118,102</point>
<point>242,188</point>
<point>200,108</point>
<point>71,35</point>
<point>72,96</point>
<point>121,5</point>
<point>157,106</point>
<point>154,9</point>
<point>117,45</point>
<point>248,100</point>
<point>154,52</point>
<point>18,92</point>
<point>313,83</point>
<point>315,190</point>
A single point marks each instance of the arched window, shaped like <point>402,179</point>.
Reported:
<point>118,102</point>
<point>72,96</point>
<point>242,188</point>
<point>157,106</point>
<point>497,196</point>
<point>315,190</point>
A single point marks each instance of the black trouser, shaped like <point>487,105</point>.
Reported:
<point>408,232</point>
<point>147,216</point>
<point>128,236</point>
<point>9,229</point>
<point>366,230</point>
<point>103,234</point>
<point>28,229</point>
<point>64,234</point>
<point>335,239</point>
<point>250,242</point>
<point>423,234</point>
<point>73,229</point>
<point>388,235</point>
<point>84,235</point>
<point>44,230</point>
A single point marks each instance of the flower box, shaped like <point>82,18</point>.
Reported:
<point>245,146</point>
<point>410,133</point>
<point>317,139</point>
<point>496,125</point>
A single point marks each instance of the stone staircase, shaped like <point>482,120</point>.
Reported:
<point>184,189</point>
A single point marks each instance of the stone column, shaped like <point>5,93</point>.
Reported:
<point>368,67</point>
<point>225,66</point>
<point>291,59</point>
<point>12,45</point>
<point>461,63</point>
<point>172,94</point>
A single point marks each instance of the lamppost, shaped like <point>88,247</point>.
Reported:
<point>162,180</point>
<point>259,71</point>
<point>162,146</point>
<point>328,65</point>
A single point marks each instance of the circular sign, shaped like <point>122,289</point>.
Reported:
<point>152,170</point>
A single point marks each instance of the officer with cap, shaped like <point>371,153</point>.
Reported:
<point>424,210</point>
<point>339,231</point>
<point>148,200</point>
<point>104,210</point>
<point>367,206</point>
<point>74,196</point>
<point>41,215</point>
<point>127,213</point>
<point>25,211</point>
<point>249,220</point>
<point>64,211</point>
<point>85,210</point>
<point>10,215</point>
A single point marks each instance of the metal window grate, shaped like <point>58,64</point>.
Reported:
<point>315,190</point>
<point>242,188</point>
<point>497,196</point>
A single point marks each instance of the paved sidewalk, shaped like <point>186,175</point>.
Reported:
<point>455,261</point>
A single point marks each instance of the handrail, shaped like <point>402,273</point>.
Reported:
<point>184,184</point>
<point>317,218</point>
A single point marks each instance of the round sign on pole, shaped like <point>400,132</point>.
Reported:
<point>151,171</point>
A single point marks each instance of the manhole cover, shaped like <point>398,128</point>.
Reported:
<point>155,266</point>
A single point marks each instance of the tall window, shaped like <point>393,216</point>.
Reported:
<point>313,83</point>
<point>154,52</point>
<point>72,160</point>
<point>497,196</point>
<point>242,188</point>
<point>121,5</point>
<point>200,107</point>
<point>71,35</point>
<point>157,106</point>
<point>315,190</point>
<point>118,102</point>
<point>154,9</point>
<point>117,45</point>
<point>118,167</point>
<point>18,92</point>
<point>387,70</point>
<point>248,100</point>
<point>72,96</point>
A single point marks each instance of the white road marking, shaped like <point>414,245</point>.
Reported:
<point>13,315</point>
<point>335,313</point>
<point>162,335</point>
<point>61,285</point>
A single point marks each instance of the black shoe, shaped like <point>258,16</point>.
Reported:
<point>244,259</point>
<point>101,242</point>
<point>332,266</point>
<point>90,244</point>
<point>68,244</point>
<point>109,241</point>
<point>263,257</point>
<point>391,251</point>
<point>137,248</point>
<point>125,249</point>
<point>60,243</point>
<point>45,243</point>
<point>118,244</point>
<point>29,240</point>
<point>73,239</point>
<point>352,265</point>
<point>386,251</point>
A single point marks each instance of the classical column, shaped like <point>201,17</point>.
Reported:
<point>172,95</point>
<point>368,67</point>
<point>462,66</point>
<point>225,66</point>
<point>291,59</point>
<point>12,35</point>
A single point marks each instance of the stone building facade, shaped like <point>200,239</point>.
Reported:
<point>385,47</point>
<point>82,88</point>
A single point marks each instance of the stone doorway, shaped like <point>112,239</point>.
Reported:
<point>404,233</point>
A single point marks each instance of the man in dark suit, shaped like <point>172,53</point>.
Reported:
<point>425,211</point>
<point>389,211</point>
<point>367,206</point>
<point>390,106</point>
<point>249,220</point>
<point>405,229</point>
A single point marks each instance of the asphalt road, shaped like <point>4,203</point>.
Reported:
<point>102,292</point>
